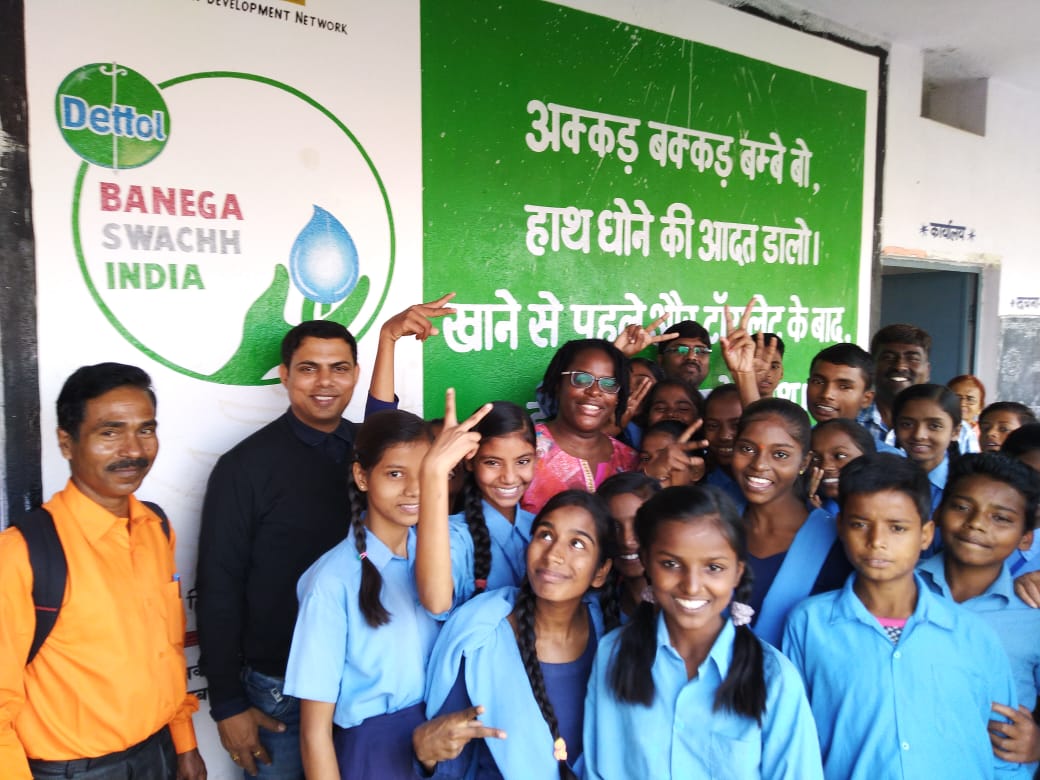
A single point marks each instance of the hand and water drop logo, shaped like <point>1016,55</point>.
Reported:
<point>324,266</point>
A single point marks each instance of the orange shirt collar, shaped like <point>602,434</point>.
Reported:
<point>94,520</point>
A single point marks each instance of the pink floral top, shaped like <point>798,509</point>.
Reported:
<point>557,471</point>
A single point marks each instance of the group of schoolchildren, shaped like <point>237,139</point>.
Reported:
<point>738,594</point>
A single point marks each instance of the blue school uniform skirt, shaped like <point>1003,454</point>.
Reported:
<point>379,747</point>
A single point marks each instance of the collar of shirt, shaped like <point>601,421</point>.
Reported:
<point>721,652</point>
<point>501,529</point>
<point>871,418</point>
<point>933,572</point>
<point>929,609</point>
<point>341,439</point>
<point>940,473</point>
<point>93,520</point>
<point>381,555</point>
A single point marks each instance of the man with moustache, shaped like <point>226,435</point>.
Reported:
<point>105,695</point>
<point>901,359</point>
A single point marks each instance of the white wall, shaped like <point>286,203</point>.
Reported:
<point>936,173</point>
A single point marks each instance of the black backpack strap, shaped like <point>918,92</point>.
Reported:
<point>163,519</point>
<point>50,572</point>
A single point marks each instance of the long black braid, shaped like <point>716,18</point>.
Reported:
<point>504,419</point>
<point>478,530</point>
<point>371,580</point>
<point>525,639</point>
<point>524,610</point>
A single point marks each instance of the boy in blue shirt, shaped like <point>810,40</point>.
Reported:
<point>900,681</point>
<point>987,513</point>
<point>841,382</point>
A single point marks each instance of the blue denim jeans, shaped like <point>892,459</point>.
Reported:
<point>265,693</point>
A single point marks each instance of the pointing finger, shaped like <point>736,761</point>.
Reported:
<point>657,323</point>
<point>746,316</point>
<point>450,417</point>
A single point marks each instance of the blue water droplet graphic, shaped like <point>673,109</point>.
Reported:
<point>324,261</point>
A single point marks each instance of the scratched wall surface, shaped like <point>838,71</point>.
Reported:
<point>595,172</point>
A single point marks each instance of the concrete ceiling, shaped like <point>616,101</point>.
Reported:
<point>962,39</point>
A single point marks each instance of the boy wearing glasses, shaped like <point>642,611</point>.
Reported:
<point>687,356</point>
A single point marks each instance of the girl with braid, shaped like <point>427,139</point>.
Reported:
<point>488,540</point>
<point>521,657</point>
<point>362,640</point>
<point>685,689</point>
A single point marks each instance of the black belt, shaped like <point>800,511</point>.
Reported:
<point>78,765</point>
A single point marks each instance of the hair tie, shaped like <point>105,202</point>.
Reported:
<point>740,613</point>
<point>648,595</point>
<point>481,584</point>
<point>560,749</point>
<point>362,555</point>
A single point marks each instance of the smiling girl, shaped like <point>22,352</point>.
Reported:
<point>362,640</point>
<point>585,390</point>
<point>674,400</point>
<point>522,656</point>
<point>482,548</point>
<point>687,690</point>
<point>792,552</point>
<point>927,419</point>
<point>835,443</point>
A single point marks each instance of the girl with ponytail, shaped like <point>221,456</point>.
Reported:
<point>521,657</point>
<point>685,689</point>
<point>488,540</point>
<point>362,640</point>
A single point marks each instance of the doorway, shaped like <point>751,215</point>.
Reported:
<point>943,302</point>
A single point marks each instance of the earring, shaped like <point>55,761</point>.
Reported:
<point>648,595</point>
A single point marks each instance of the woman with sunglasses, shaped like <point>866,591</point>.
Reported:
<point>585,389</point>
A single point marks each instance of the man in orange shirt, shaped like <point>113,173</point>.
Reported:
<point>106,695</point>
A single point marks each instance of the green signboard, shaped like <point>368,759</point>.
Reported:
<point>581,174</point>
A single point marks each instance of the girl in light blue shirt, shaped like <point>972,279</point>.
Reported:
<point>926,419</point>
<point>362,639</point>
<point>687,690</point>
<point>489,539</point>
<point>521,657</point>
<point>484,547</point>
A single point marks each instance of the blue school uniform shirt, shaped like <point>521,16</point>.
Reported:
<point>1024,561</point>
<point>337,657</point>
<point>728,485</point>
<point>508,550</point>
<point>680,735</point>
<point>937,484</point>
<point>828,505</point>
<point>1016,624</point>
<point>479,639</point>
<point>912,710</point>
<point>815,562</point>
